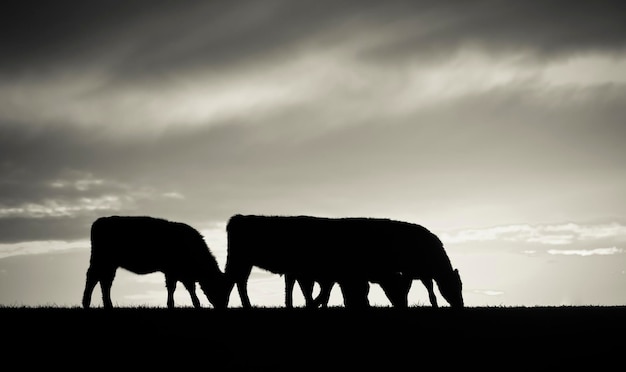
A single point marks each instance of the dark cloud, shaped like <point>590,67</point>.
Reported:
<point>133,38</point>
<point>44,34</point>
<point>546,28</point>
<point>136,38</point>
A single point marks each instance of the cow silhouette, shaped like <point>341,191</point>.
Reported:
<point>349,251</point>
<point>143,245</point>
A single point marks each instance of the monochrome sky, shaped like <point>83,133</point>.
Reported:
<point>498,125</point>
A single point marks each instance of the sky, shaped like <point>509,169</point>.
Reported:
<point>497,125</point>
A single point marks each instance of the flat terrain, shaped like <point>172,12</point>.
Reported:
<point>419,338</point>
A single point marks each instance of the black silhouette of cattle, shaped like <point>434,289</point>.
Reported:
<point>348,251</point>
<point>145,245</point>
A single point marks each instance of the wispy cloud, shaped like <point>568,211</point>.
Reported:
<point>488,292</point>
<point>153,278</point>
<point>80,185</point>
<point>39,247</point>
<point>79,195</point>
<point>558,234</point>
<point>61,205</point>
<point>587,252</point>
<point>173,195</point>
<point>65,208</point>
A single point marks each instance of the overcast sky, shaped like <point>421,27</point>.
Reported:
<point>498,125</point>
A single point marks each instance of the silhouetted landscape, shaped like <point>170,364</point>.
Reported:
<point>336,338</point>
<point>451,172</point>
<point>310,338</point>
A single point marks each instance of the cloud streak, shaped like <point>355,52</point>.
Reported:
<point>587,252</point>
<point>40,247</point>
<point>558,234</point>
<point>210,63</point>
<point>59,208</point>
<point>75,195</point>
<point>488,292</point>
<point>154,36</point>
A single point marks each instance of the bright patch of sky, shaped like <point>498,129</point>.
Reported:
<point>40,247</point>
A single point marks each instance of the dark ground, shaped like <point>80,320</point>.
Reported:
<point>277,339</point>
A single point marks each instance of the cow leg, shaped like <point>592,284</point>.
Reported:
<point>238,275</point>
<point>362,289</point>
<point>428,283</point>
<point>242,287</point>
<point>106,281</point>
<point>323,297</point>
<point>290,280</point>
<point>191,288</point>
<point>170,284</point>
<point>355,293</point>
<point>90,285</point>
<point>306,285</point>
<point>396,286</point>
<point>228,289</point>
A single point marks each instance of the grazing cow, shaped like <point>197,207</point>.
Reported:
<point>145,245</point>
<point>349,251</point>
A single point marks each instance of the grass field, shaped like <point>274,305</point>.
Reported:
<point>381,338</point>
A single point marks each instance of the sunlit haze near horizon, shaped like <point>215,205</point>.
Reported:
<point>497,125</point>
